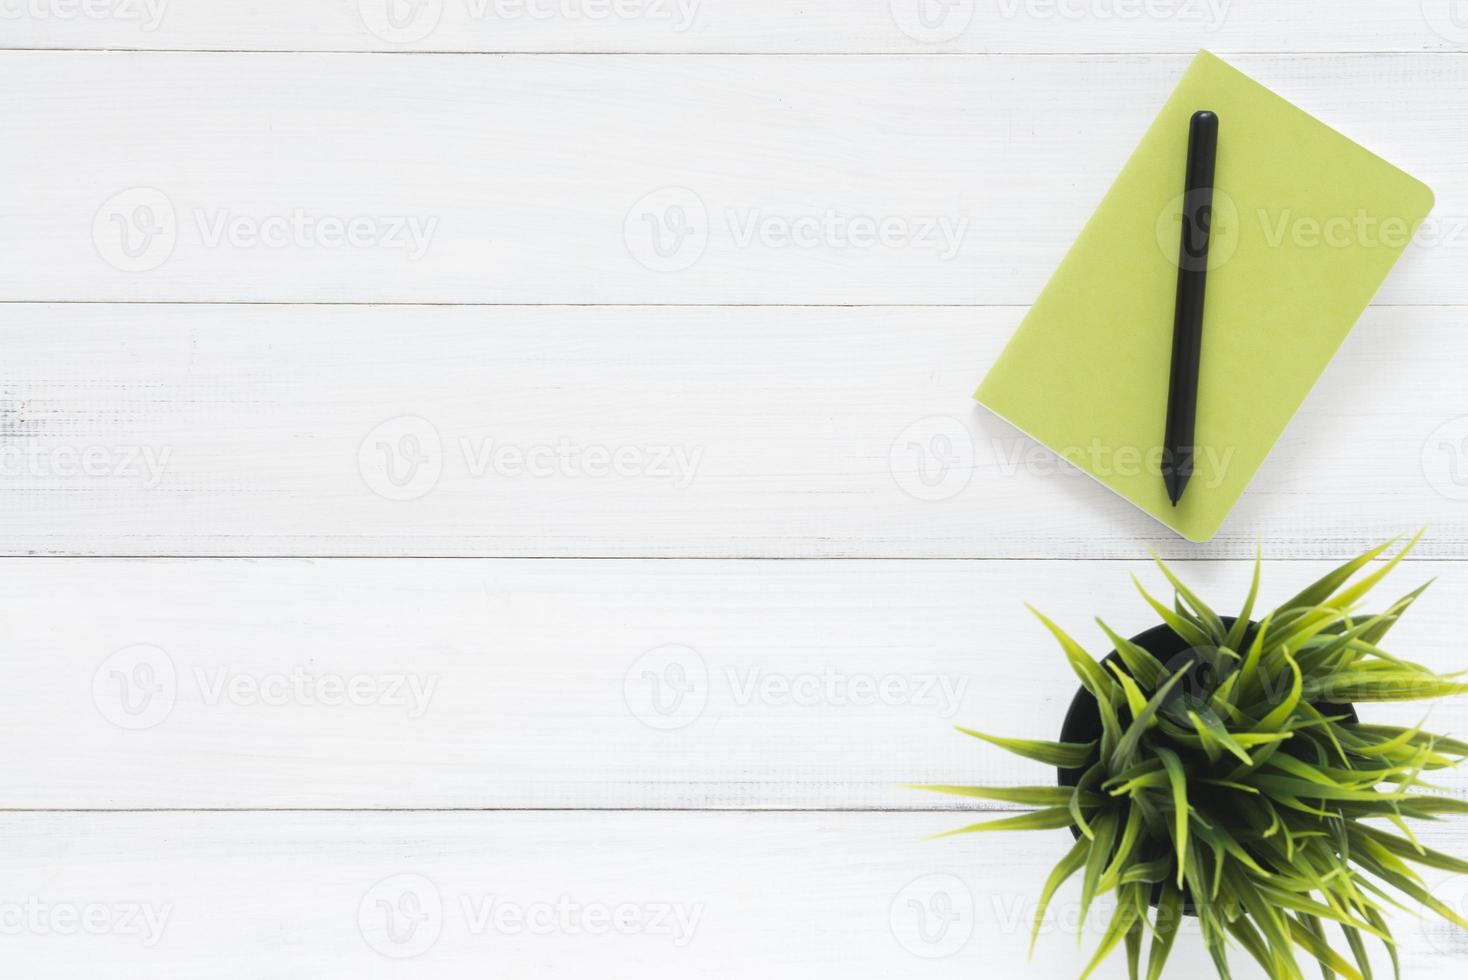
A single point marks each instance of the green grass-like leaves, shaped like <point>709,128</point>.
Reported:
<point>1241,788</point>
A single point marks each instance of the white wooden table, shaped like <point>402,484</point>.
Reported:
<point>489,486</point>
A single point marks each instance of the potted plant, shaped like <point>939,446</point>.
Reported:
<point>1216,767</point>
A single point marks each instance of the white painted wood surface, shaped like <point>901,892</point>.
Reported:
<point>587,684</point>
<point>627,179</point>
<point>753,26</point>
<point>526,895</point>
<point>231,754</point>
<point>628,432</point>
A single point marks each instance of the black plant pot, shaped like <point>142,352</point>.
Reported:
<point>1083,720</point>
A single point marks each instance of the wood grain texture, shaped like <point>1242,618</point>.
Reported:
<point>591,684</point>
<point>653,322</point>
<point>627,179</point>
<point>520,895</point>
<point>755,26</point>
<point>629,432</point>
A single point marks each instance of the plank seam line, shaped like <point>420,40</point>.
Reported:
<point>885,559</point>
<point>412,304</point>
<point>503,809</point>
<point>736,53</point>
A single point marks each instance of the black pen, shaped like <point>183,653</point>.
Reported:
<point>1187,324</point>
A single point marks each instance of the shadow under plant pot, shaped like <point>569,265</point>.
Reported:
<point>1083,719</point>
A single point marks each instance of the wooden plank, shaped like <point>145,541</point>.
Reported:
<point>629,432</point>
<point>593,684</point>
<point>632,179</point>
<point>752,26</point>
<point>519,895</point>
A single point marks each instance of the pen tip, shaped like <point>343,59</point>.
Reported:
<point>1174,483</point>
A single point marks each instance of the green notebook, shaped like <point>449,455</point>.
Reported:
<point>1306,226</point>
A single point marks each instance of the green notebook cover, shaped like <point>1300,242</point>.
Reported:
<point>1306,226</point>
